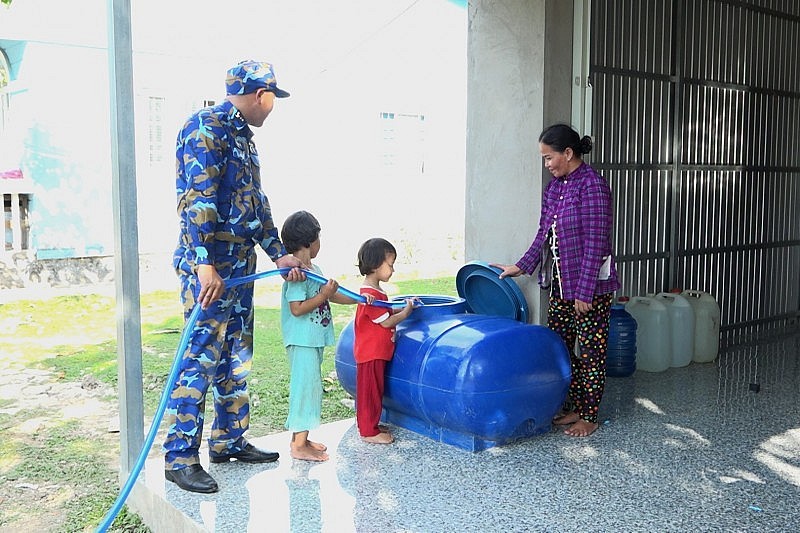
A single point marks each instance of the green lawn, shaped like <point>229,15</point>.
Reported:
<point>161,331</point>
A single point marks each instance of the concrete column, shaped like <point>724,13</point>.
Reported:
<point>519,56</point>
<point>126,241</point>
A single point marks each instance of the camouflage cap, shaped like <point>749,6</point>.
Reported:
<point>250,75</point>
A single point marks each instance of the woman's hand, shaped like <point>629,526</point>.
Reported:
<point>582,307</point>
<point>511,271</point>
<point>369,298</point>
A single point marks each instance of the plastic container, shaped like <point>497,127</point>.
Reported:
<point>621,358</point>
<point>653,338</point>
<point>681,319</point>
<point>706,325</point>
<point>470,380</point>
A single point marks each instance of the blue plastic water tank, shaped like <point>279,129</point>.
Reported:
<point>469,380</point>
<point>621,359</point>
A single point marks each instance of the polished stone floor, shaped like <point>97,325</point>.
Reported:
<point>707,447</point>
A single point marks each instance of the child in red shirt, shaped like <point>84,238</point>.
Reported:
<point>374,338</point>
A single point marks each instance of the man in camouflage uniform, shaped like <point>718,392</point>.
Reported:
<point>223,215</point>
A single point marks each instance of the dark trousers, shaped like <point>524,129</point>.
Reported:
<point>589,361</point>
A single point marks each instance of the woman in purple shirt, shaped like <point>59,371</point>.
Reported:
<point>572,250</point>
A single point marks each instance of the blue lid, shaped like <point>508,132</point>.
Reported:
<point>486,294</point>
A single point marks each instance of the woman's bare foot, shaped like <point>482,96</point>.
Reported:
<point>317,446</point>
<point>566,419</point>
<point>380,438</point>
<point>581,428</point>
<point>308,453</point>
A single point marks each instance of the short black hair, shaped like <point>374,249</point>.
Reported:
<point>373,253</point>
<point>299,230</point>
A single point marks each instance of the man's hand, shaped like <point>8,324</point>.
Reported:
<point>290,261</point>
<point>211,285</point>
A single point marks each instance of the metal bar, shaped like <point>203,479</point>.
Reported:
<point>126,241</point>
<point>678,129</point>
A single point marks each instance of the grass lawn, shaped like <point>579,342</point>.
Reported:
<point>60,464</point>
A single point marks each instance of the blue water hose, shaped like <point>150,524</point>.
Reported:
<point>173,375</point>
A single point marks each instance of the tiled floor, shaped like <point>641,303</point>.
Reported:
<point>711,447</point>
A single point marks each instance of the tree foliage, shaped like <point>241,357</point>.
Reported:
<point>5,2</point>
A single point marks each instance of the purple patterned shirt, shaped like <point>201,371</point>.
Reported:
<point>580,206</point>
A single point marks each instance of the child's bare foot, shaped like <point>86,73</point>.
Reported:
<point>317,446</point>
<point>581,428</point>
<point>566,419</point>
<point>380,438</point>
<point>308,453</point>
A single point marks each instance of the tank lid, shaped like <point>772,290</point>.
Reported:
<point>486,294</point>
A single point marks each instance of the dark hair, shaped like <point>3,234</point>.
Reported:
<point>373,253</point>
<point>560,137</point>
<point>299,230</point>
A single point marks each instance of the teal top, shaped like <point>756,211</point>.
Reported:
<point>314,329</point>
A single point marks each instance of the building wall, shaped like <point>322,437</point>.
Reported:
<point>520,60</point>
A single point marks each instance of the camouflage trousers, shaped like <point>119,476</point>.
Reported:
<point>219,355</point>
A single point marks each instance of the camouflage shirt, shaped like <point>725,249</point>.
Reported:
<point>219,188</point>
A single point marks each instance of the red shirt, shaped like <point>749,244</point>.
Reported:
<point>372,341</point>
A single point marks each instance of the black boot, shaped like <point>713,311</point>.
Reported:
<point>192,478</point>
<point>249,454</point>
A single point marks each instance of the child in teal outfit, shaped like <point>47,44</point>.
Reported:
<point>307,327</point>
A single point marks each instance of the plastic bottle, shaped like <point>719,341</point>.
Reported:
<point>706,321</point>
<point>681,319</point>
<point>621,359</point>
<point>653,339</point>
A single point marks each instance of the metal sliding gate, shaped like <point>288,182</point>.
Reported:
<point>696,121</point>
